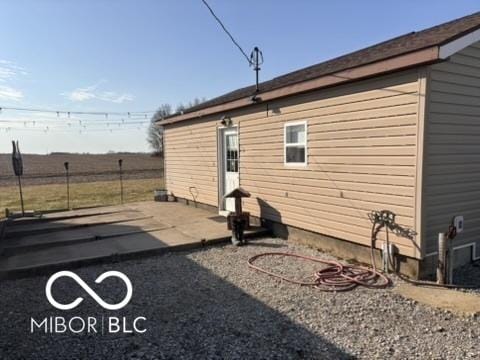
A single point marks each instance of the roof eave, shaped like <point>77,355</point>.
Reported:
<point>403,61</point>
<point>453,46</point>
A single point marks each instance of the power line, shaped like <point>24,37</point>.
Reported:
<point>227,32</point>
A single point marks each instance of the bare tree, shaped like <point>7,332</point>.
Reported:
<point>155,132</point>
<point>182,107</point>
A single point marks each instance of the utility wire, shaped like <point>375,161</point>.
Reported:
<point>227,32</point>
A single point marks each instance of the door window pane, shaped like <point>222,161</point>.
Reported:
<point>231,153</point>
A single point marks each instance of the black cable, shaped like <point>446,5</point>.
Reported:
<point>227,32</point>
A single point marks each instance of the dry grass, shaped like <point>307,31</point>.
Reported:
<point>53,197</point>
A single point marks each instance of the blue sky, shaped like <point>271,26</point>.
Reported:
<point>121,56</point>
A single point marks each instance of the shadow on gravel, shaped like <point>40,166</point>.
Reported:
<point>266,245</point>
<point>191,314</point>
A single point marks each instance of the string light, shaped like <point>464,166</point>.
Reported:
<point>107,113</point>
<point>88,122</point>
<point>66,121</point>
<point>67,130</point>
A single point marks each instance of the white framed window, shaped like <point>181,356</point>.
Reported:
<point>295,143</point>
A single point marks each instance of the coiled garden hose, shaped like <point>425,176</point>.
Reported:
<point>334,277</point>
<point>338,277</point>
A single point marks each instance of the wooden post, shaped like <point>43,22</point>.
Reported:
<point>238,206</point>
<point>450,265</point>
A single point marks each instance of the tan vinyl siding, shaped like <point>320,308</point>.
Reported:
<point>191,156</point>
<point>191,161</point>
<point>361,157</point>
<point>362,151</point>
<point>452,172</point>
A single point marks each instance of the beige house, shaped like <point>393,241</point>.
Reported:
<point>394,126</point>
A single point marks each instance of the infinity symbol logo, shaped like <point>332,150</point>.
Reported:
<point>88,289</point>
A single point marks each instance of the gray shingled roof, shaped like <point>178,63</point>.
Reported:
<point>414,41</point>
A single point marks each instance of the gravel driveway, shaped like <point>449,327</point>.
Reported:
<point>207,304</point>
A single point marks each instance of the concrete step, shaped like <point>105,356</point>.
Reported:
<point>84,231</point>
<point>110,249</point>
<point>69,237</point>
<point>22,221</point>
<point>44,227</point>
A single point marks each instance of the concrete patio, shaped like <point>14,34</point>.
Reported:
<point>75,238</point>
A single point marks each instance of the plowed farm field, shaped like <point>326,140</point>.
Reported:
<point>49,169</point>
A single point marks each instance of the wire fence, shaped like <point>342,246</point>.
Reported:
<point>80,176</point>
<point>59,190</point>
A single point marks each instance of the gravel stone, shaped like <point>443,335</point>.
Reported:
<point>208,304</point>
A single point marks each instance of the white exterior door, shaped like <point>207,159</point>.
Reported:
<point>230,165</point>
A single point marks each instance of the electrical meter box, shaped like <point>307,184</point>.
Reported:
<point>458,223</point>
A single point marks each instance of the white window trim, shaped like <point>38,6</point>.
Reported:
<point>285,145</point>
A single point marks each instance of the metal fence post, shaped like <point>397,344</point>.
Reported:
<point>120,162</point>
<point>21,194</point>
<point>67,174</point>
<point>17,163</point>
